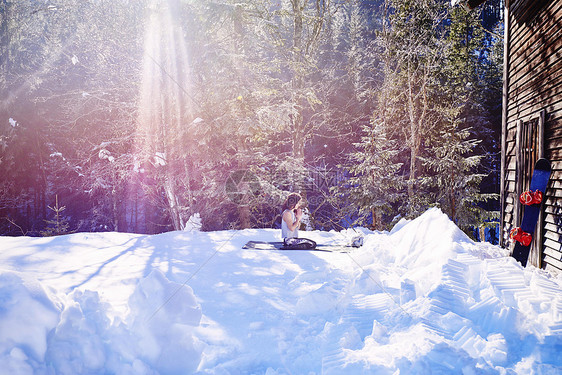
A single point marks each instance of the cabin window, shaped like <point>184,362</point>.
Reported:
<point>530,148</point>
<point>529,151</point>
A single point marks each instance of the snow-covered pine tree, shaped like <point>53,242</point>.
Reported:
<point>374,183</point>
<point>454,178</point>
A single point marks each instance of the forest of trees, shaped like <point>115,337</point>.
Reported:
<point>135,115</point>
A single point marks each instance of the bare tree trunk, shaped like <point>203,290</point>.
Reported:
<point>244,215</point>
<point>420,123</point>
<point>452,199</point>
<point>414,136</point>
<point>297,124</point>
<point>115,210</point>
<point>173,204</point>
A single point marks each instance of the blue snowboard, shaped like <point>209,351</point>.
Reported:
<point>531,213</point>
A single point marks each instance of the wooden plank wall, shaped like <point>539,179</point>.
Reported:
<point>535,84</point>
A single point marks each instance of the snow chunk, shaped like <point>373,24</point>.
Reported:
<point>320,301</point>
<point>13,122</point>
<point>194,223</point>
<point>399,225</point>
<point>26,317</point>
<point>164,316</point>
<point>157,336</point>
<point>77,345</point>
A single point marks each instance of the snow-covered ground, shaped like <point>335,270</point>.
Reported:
<point>422,299</point>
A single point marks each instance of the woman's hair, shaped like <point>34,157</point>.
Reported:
<point>291,201</point>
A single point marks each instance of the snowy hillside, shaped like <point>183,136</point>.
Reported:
<point>423,299</point>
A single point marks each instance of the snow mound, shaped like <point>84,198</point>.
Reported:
<point>80,337</point>
<point>27,314</point>
<point>424,245</point>
<point>164,315</point>
<point>427,239</point>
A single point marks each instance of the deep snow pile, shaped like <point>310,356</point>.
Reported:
<point>421,299</point>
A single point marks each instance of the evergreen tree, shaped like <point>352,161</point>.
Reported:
<point>23,148</point>
<point>454,182</point>
<point>59,224</point>
<point>374,185</point>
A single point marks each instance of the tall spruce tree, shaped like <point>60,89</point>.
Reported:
<point>413,47</point>
<point>375,184</point>
<point>454,181</point>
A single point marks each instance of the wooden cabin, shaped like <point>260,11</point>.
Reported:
<point>532,120</point>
